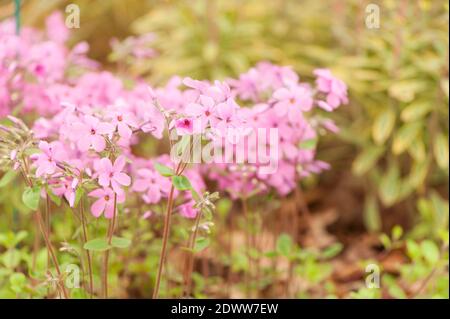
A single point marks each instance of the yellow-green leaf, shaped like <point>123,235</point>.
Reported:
<point>382,128</point>
<point>405,136</point>
<point>440,148</point>
<point>415,111</point>
<point>367,159</point>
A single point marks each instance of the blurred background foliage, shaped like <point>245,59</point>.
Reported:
<point>394,133</point>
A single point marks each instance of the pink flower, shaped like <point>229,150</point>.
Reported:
<point>152,183</point>
<point>335,89</point>
<point>109,174</point>
<point>291,102</point>
<point>204,110</point>
<point>47,160</point>
<point>187,210</point>
<point>67,188</point>
<point>184,126</point>
<point>226,115</point>
<point>89,133</point>
<point>124,121</point>
<point>105,202</point>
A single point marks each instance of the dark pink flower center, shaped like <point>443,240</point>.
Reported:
<point>92,131</point>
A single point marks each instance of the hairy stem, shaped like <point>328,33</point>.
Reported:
<point>166,230</point>
<point>112,225</point>
<point>52,253</point>
<point>88,254</point>
<point>190,257</point>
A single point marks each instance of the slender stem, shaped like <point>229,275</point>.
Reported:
<point>230,255</point>
<point>47,224</point>
<point>178,171</point>
<point>52,253</point>
<point>190,257</point>
<point>106,259</point>
<point>88,254</point>
<point>17,15</point>
<point>162,256</point>
<point>247,246</point>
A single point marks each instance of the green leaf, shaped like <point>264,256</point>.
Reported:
<point>7,178</point>
<point>31,197</point>
<point>181,183</point>
<point>415,111</point>
<point>413,249</point>
<point>405,136</point>
<point>308,144</point>
<point>367,159</point>
<point>163,170</point>
<point>18,282</point>
<point>372,219</point>
<point>78,194</point>
<point>201,243</point>
<point>55,199</point>
<point>284,245</point>
<point>389,186</point>
<point>120,242</point>
<point>440,148</point>
<point>397,232</point>
<point>332,251</point>
<point>382,128</point>
<point>97,244</point>
<point>430,251</point>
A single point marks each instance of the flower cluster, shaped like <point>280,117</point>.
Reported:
<point>36,68</point>
<point>91,124</point>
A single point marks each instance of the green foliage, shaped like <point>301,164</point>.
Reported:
<point>31,197</point>
<point>181,183</point>
<point>97,244</point>
<point>164,170</point>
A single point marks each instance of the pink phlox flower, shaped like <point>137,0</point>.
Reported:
<point>105,202</point>
<point>46,161</point>
<point>187,210</point>
<point>90,133</point>
<point>334,88</point>
<point>112,174</point>
<point>67,187</point>
<point>152,184</point>
<point>292,101</point>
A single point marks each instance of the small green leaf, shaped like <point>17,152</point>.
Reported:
<point>367,159</point>
<point>308,144</point>
<point>97,244</point>
<point>31,197</point>
<point>332,251</point>
<point>415,111</point>
<point>413,249</point>
<point>55,199</point>
<point>120,242</point>
<point>440,148</point>
<point>201,243</point>
<point>430,251</point>
<point>78,194</point>
<point>397,232</point>
<point>18,282</point>
<point>181,183</point>
<point>7,178</point>
<point>405,136</point>
<point>389,186</point>
<point>382,128</point>
<point>372,219</point>
<point>284,245</point>
<point>163,170</point>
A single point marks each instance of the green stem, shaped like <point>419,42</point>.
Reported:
<point>17,15</point>
<point>106,259</point>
